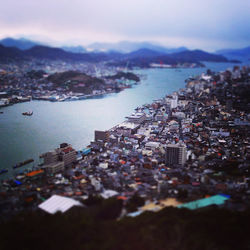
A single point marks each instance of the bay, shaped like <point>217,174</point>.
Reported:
<point>24,137</point>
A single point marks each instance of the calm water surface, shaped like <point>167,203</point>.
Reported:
<point>23,137</point>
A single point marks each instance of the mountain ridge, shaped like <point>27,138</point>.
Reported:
<point>21,43</point>
<point>142,57</point>
<point>128,47</point>
<point>240,54</point>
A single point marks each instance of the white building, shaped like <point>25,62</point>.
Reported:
<point>138,117</point>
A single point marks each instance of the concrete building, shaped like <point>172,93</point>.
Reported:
<point>57,159</point>
<point>101,135</point>
<point>67,154</point>
<point>176,154</point>
<point>49,157</point>
<point>54,167</point>
<point>137,118</point>
<point>127,128</point>
<point>174,101</point>
<point>151,145</point>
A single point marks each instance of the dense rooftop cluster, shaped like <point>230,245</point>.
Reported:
<point>188,145</point>
<point>59,81</point>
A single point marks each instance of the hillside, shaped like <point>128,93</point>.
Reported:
<point>128,47</point>
<point>235,53</point>
<point>143,53</point>
<point>125,75</point>
<point>197,55</point>
<point>76,81</point>
<point>96,225</point>
<point>144,57</point>
<point>43,52</point>
<point>139,58</point>
<point>74,49</point>
<point>22,43</point>
<point>10,54</point>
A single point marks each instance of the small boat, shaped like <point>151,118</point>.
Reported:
<point>1,112</point>
<point>29,113</point>
<point>3,171</point>
<point>23,163</point>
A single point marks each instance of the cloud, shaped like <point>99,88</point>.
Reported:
<point>83,21</point>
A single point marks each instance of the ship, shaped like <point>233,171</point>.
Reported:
<point>23,163</point>
<point>29,113</point>
<point>3,171</point>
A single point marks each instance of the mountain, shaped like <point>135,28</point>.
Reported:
<point>9,54</point>
<point>139,58</point>
<point>76,80</point>
<point>74,49</point>
<point>197,55</point>
<point>127,47</point>
<point>120,47</point>
<point>144,57</point>
<point>143,53</point>
<point>49,53</point>
<point>22,43</point>
<point>235,53</point>
<point>44,52</point>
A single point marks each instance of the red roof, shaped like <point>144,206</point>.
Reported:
<point>67,150</point>
<point>33,173</point>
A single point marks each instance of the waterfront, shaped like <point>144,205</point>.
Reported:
<point>191,145</point>
<point>74,122</point>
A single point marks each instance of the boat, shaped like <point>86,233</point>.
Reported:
<point>20,164</point>
<point>29,113</point>
<point>1,112</point>
<point>3,171</point>
<point>73,98</point>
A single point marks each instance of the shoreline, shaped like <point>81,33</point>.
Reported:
<point>133,157</point>
<point>64,97</point>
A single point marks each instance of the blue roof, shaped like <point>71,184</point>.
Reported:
<point>134,214</point>
<point>18,182</point>
<point>218,199</point>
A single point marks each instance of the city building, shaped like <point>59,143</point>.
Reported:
<point>101,135</point>
<point>176,154</point>
<point>55,161</point>
<point>54,167</point>
<point>66,154</point>
<point>137,118</point>
<point>49,157</point>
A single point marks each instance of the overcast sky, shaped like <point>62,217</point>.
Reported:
<point>205,24</point>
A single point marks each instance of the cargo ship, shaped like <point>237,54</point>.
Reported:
<point>20,164</point>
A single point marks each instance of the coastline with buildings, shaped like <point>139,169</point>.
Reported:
<point>187,146</point>
<point>125,125</point>
<point>66,82</point>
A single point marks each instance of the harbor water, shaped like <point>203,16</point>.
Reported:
<point>25,137</point>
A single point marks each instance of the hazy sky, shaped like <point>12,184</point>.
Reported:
<point>206,24</point>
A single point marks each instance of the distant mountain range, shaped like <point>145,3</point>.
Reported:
<point>74,49</point>
<point>130,49</point>
<point>22,43</point>
<point>242,54</point>
<point>8,54</point>
<point>141,58</point>
<point>127,47</point>
<point>121,47</point>
<point>144,57</point>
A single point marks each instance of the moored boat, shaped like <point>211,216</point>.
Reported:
<point>28,113</point>
<point>23,163</point>
<point>3,171</point>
